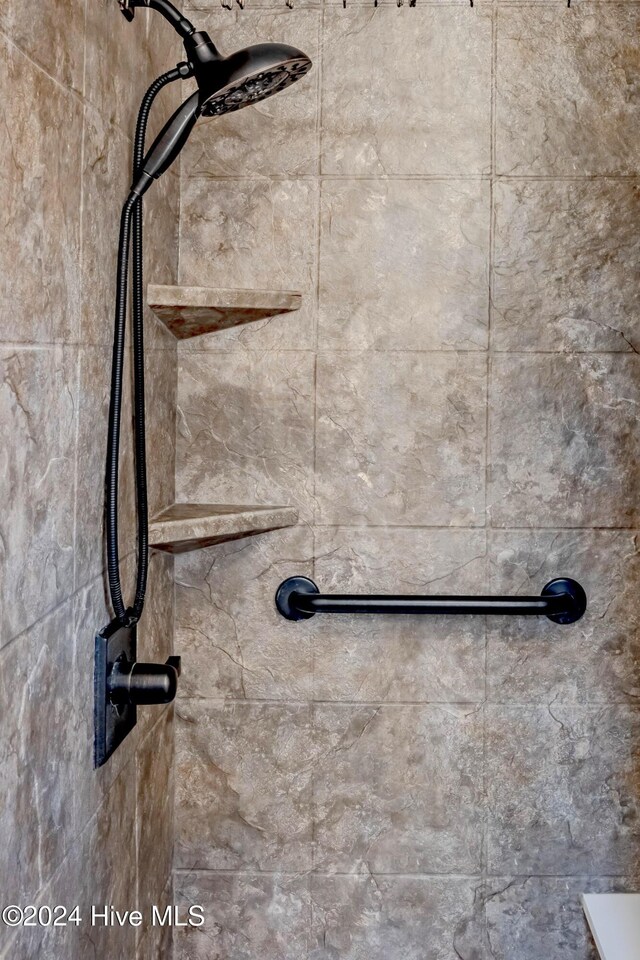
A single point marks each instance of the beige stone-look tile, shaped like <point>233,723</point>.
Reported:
<point>404,265</point>
<point>393,106</point>
<point>565,256</point>
<point>232,640</point>
<point>406,439</point>
<point>93,410</point>
<point>156,941</point>
<point>107,870</point>
<point>567,98</point>
<point>36,756</point>
<point>243,775</point>
<point>51,34</point>
<point>277,137</point>
<point>162,235</point>
<point>533,917</point>
<point>40,199</point>
<point>162,201</point>
<point>155,631</point>
<point>105,185</point>
<point>596,660</point>
<point>155,802</point>
<point>253,234</point>
<point>37,473</point>
<point>161,389</point>
<point>118,63</point>
<point>407,658</point>
<point>398,789</point>
<point>245,429</point>
<point>99,870</point>
<point>564,441</point>
<point>246,916</point>
<point>378,918</point>
<point>562,786</point>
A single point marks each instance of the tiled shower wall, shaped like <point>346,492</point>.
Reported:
<point>72,75</point>
<point>455,410</point>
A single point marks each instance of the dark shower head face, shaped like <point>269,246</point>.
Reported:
<point>248,76</point>
<point>254,88</point>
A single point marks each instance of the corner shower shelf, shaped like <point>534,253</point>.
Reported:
<point>193,311</point>
<point>193,526</point>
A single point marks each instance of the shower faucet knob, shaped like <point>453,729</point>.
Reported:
<point>143,683</point>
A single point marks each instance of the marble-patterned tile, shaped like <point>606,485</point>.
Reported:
<point>156,942</point>
<point>565,255</point>
<point>566,90</point>
<point>277,137</point>
<point>40,197</point>
<point>404,658</point>
<point>243,775</point>
<point>256,235</point>
<point>162,202</point>
<point>564,441</point>
<point>118,63</point>
<point>154,817</point>
<point>52,35</point>
<point>161,389</point>
<point>105,184</point>
<point>246,916</point>
<point>99,870</point>
<point>36,756</point>
<point>390,106</point>
<point>401,443</point>
<point>404,264</point>
<point>233,642</point>
<point>155,631</point>
<point>533,917</point>
<point>245,429</point>
<point>398,789</point>
<point>93,411</point>
<point>162,233</point>
<point>562,785</point>
<point>380,918</point>
<point>596,660</point>
<point>37,483</point>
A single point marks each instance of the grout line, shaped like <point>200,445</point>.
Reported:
<point>504,874</point>
<point>326,351</point>
<point>473,706</point>
<point>417,178</point>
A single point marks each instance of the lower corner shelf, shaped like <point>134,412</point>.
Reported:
<point>192,526</point>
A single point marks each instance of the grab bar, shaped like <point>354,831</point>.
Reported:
<point>562,601</point>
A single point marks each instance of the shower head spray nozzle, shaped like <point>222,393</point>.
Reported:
<point>225,84</point>
<point>245,77</point>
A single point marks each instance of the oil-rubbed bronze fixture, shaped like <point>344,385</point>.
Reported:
<point>562,601</point>
<point>122,684</point>
<point>224,84</point>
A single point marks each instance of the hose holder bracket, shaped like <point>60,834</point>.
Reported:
<point>121,684</point>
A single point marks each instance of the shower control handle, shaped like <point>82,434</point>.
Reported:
<point>143,683</point>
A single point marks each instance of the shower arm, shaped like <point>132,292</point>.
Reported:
<point>180,24</point>
<point>562,601</point>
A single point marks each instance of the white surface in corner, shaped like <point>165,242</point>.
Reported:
<point>614,919</point>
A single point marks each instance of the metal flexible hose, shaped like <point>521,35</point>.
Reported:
<point>130,227</point>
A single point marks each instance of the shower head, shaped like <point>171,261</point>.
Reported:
<point>245,77</point>
<point>225,84</point>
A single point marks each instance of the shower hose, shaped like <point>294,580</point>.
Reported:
<point>130,235</point>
